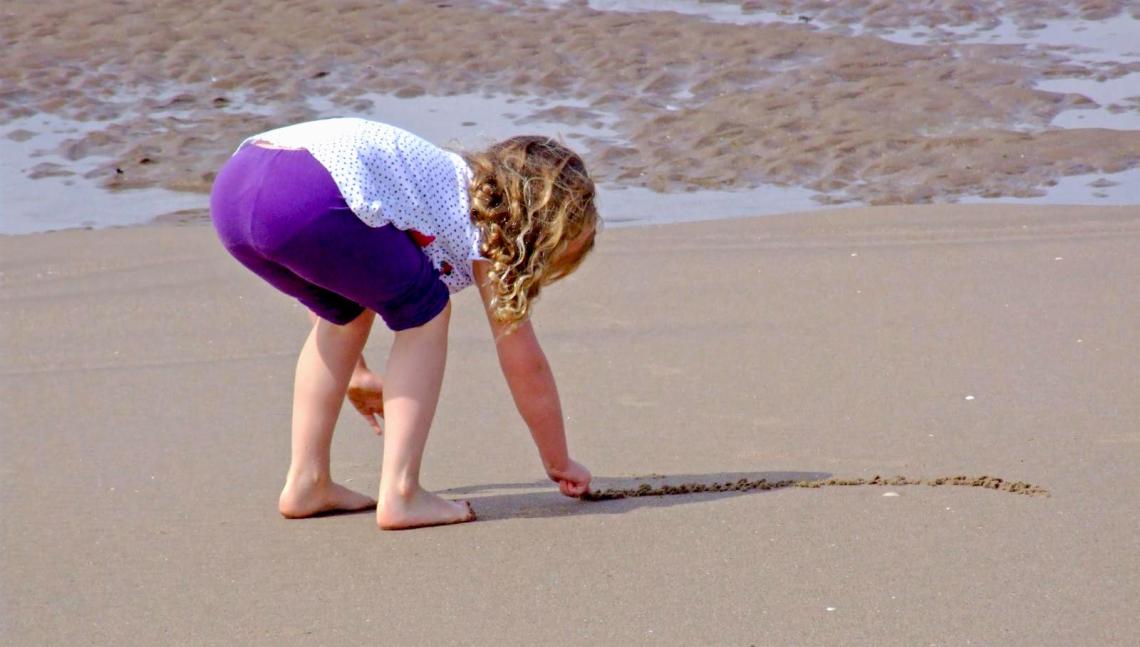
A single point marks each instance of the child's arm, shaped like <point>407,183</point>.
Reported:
<point>532,385</point>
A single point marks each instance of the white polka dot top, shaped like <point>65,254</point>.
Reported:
<point>390,176</point>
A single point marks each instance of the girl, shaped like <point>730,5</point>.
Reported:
<point>354,218</point>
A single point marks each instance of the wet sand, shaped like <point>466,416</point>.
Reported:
<point>146,381</point>
<point>821,102</point>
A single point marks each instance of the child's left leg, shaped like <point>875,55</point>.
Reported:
<point>365,388</point>
<point>323,370</point>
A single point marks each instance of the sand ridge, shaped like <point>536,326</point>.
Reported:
<point>170,88</point>
<point>747,485</point>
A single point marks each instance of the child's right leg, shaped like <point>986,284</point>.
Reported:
<point>411,391</point>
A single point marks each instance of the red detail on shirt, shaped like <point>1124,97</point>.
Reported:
<point>446,268</point>
<point>423,240</point>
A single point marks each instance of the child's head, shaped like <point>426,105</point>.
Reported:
<point>533,203</point>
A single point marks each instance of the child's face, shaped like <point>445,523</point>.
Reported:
<point>581,244</point>
<point>571,257</point>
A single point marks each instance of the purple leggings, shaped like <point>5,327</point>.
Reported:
<point>280,214</point>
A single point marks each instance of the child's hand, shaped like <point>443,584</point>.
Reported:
<point>573,480</point>
<point>369,401</point>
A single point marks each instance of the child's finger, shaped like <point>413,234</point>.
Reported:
<point>373,422</point>
<point>571,489</point>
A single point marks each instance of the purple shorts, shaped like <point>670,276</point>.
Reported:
<point>280,214</point>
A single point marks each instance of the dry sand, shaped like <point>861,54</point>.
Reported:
<point>145,377</point>
<point>146,381</point>
<point>171,87</point>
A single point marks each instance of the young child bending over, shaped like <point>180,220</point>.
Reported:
<point>354,218</point>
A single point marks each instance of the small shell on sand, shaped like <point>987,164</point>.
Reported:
<point>890,494</point>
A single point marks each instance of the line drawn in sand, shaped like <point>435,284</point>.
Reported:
<point>745,485</point>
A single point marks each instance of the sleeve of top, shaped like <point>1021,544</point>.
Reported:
<point>474,253</point>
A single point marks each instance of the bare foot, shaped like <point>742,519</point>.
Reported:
<point>422,509</point>
<point>299,501</point>
<point>366,393</point>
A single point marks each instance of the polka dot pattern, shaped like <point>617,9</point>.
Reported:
<point>390,176</point>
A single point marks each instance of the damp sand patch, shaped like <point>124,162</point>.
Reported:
<point>748,485</point>
<point>684,104</point>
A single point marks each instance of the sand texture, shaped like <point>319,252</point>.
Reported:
<point>170,88</point>
<point>146,382</point>
<point>748,485</point>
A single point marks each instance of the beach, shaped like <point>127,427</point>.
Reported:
<point>815,104</point>
<point>855,360</point>
<point>146,380</point>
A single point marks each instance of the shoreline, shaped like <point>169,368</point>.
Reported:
<point>201,216</point>
<point>842,117</point>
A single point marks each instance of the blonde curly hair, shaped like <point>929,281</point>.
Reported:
<point>533,204</point>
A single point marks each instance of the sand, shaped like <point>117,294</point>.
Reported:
<point>146,382</point>
<point>169,88</point>
<point>748,485</point>
<point>765,403</point>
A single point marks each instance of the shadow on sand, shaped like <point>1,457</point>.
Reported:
<point>497,501</point>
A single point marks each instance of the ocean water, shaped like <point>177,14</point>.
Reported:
<point>42,190</point>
